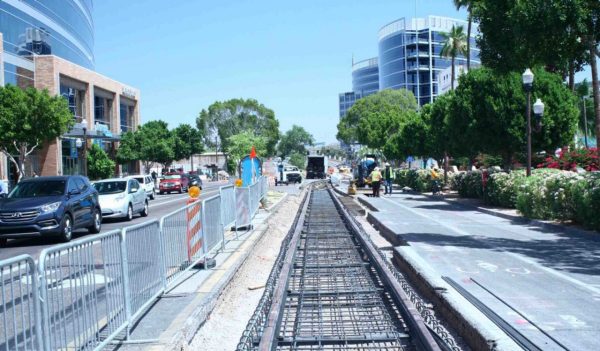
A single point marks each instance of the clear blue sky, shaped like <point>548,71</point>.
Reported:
<point>292,56</point>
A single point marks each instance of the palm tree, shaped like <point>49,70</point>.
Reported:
<point>468,4</point>
<point>455,43</point>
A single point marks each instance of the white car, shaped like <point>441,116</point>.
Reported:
<point>147,183</point>
<point>121,198</point>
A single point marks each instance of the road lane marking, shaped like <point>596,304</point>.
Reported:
<point>517,256</point>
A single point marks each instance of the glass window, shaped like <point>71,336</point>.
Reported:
<point>72,186</point>
<point>113,187</point>
<point>18,76</point>
<point>81,184</point>
<point>38,188</point>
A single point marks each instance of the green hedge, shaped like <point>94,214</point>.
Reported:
<point>547,194</point>
<point>419,179</point>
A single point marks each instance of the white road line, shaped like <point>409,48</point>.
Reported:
<point>517,256</point>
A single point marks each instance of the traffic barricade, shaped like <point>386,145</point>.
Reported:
<point>19,305</point>
<point>145,269</point>
<point>212,226</point>
<point>254,190</point>
<point>227,194</point>
<point>83,286</point>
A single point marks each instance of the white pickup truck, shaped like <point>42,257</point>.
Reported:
<point>291,174</point>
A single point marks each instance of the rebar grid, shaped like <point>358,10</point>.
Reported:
<point>334,299</point>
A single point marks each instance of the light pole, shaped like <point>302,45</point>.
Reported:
<point>528,86</point>
<point>84,125</point>
<point>538,111</point>
<point>585,130</point>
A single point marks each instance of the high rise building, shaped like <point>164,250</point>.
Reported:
<point>410,55</point>
<point>48,44</point>
<point>365,76</point>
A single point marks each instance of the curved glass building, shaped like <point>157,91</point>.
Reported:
<point>365,76</point>
<point>63,28</point>
<point>409,55</point>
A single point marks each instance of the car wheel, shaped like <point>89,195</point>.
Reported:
<point>129,213</point>
<point>145,211</point>
<point>153,195</point>
<point>66,228</point>
<point>97,225</point>
<point>180,191</point>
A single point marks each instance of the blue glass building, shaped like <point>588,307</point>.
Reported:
<point>365,76</point>
<point>409,55</point>
<point>63,28</point>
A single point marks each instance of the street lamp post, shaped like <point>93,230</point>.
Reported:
<point>585,123</point>
<point>84,125</point>
<point>538,111</point>
<point>528,86</point>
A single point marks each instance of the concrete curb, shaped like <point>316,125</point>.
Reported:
<point>183,337</point>
<point>366,203</point>
<point>386,233</point>
<point>473,326</point>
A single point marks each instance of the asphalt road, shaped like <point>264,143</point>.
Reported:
<point>162,205</point>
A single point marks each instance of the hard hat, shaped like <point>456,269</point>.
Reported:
<point>376,168</point>
<point>387,164</point>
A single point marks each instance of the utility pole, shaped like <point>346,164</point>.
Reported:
<point>585,130</point>
<point>216,158</point>
<point>191,156</point>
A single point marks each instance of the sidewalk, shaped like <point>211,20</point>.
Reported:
<point>547,274</point>
<point>174,319</point>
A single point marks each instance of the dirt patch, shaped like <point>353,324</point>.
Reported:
<point>224,327</point>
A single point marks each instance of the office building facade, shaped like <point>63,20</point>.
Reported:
<point>365,76</point>
<point>410,55</point>
<point>49,45</point>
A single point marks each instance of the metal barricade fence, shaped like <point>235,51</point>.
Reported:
<point>19,308</point>
<point>83,287</point>
<point>174,238</point>
<point>145,269</point>
<point>227,205</point>
<point>254,190</point>
<point>242,213</point>
<point>211,219</point>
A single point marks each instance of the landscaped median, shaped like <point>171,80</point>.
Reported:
<point>549,194</point>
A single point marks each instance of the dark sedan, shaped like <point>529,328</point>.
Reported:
<point>50,206</point>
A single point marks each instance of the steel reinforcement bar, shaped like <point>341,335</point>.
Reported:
<point>331,289</point>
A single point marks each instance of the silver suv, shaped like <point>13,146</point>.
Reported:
<point>146,183</point>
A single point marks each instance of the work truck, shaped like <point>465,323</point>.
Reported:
<point>316,167</point>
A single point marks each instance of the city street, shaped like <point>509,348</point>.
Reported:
<point>162,205</point>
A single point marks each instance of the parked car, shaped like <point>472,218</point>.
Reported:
<point>50,206</point>
<point>122,198</point>
<point>173,183</point>
<point>147,183</point>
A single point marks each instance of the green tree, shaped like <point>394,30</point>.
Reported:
<point>128,150</point>
<point>187,141</point>
<point>99,165</point>
<point>293,141</point>
<point>455,43</point>
<point>28,119</point>
<point>467,4</point>
<point>373,119</point>
<point>560,35</point>
<point>488,114</point>
<point>225,119</point>
<point>240,145</point>
<point>151,143</point>
<point>298,159</point>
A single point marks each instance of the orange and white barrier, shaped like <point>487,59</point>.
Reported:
<point>194,229</point>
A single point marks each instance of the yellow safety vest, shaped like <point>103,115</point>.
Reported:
<point>376,176</point>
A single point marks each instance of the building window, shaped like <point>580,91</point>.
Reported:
<point>102,112</point>
<point>75,98</point>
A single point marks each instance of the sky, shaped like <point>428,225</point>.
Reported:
<point>294,57</point>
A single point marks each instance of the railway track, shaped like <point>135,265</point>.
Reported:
<point>331,289</point>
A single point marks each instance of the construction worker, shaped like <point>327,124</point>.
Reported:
<point>388,179</point>
<point>435,180</point>
<point>376,177</point>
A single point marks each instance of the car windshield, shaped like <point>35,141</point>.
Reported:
<point>110,187</point>
<point>173,176</point>
<point>139,179</point>
<point>38,188</point>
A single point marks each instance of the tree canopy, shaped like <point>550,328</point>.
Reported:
<point>488,113</point>
<point>373,119</point>
<point>240,145</point>
<point>28,119</point>
<point>151,143</point>
<point>187,141</point>
<point>99,165</point>
<point>224,119</point>
<point>293,141</point>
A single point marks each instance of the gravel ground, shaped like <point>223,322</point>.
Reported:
<point>224,327</point>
